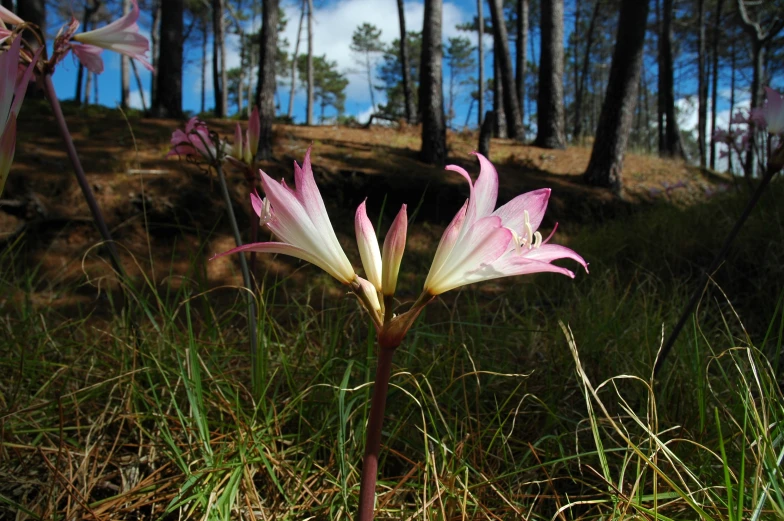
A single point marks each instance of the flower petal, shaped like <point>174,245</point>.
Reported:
<point>369,252</point>
<point>512,214</point>
<point>446,244</point>
<point>7,146</point>
<point>8,16</point>
<point>89,56</point>
<point>392,254</point>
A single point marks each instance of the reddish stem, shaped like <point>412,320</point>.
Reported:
<point>367,487</point>
<point>81,178</point>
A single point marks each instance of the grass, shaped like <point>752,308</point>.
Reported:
<point>497,408</point>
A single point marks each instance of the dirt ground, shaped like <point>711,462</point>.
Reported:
<point>164,213</point>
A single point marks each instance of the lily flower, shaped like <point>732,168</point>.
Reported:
<point>771,114</point>
<point>482,244</point>
<point>120,36</point>
<point>299,219</point>
<point>195,141</point>
<point>392,253</point>
<point>12,93</point>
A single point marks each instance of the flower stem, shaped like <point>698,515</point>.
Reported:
<point>254,354</point>
<point>367,487</point>
<point>81,178</point>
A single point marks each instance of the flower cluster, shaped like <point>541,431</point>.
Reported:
<point>244,150</point>
<point>481,243</point>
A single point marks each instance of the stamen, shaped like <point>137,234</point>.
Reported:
<point>537,240</point>
<point>516,239</point>
<point>266,213</point>
<point>529,231</point>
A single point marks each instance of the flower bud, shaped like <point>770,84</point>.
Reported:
<point>392,255</point>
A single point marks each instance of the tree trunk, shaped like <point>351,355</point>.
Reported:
<point>265,91</point>
<point>241,82</point>
<point>293,72</point>
<point>702,86</point>
<point>87,86</point>
<point>732,101</point>
<point>522,63</point>
<point>550,108</point>
<point>514,122</point>
<point>139,86</point>
<point>481,29</point>
<point>499,120</point>
<point>125,69</point>
<point>408,89</point>
<point>715,87</point>
<point>218,66</point>
<point>580,93</point>
<point>606,164</point>
<point>203,65</point>
<point>168,103</point>
<point>485,133</point>
<point>309,120</point>
<point>431,98</point>
<point>155,51</point>
<point>672,137</point>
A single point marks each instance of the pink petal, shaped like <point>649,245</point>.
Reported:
<point>236,149</point>
<point>257,203</point>
<point>512,213</point>
<point>447,243</point>
<point>89,56</point>
<point>285,249</point>
<point>369,252</point>
<point>9,17</point>
<point>486,187</point>
<point>392,253</point>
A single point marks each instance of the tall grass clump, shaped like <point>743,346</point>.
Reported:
<point>495,410</point>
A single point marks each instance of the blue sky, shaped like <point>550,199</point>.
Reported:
<point>334,22</point>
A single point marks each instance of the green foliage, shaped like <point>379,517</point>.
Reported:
<point>390,74</point>
<point>329,85</point>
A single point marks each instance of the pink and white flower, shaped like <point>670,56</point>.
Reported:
<point>120,36</point>
<point>482,244</point>
<point>195,141</point>
<point>12,93</point>
<point>299,219</point>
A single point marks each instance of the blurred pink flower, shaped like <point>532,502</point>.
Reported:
<point>120,36</point>
<point>299,219</point>
<point>771,114</point>
<point>90,56</point>
<point>195,141</point>
<point>12,93</point>
<point>481,244</point>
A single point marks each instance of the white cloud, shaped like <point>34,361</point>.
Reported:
<point>136,99</point>
<point>334,23</point>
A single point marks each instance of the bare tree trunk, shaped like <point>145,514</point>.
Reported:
<point>89,11</point>
<point>606,164</point>
<point>672,137</point>
<point>125,69</point>
<point>431,98</point>
<point>550,108</point>
<point>139,85</point>
<point>580,93</point>
<point>155,50</point>
<point>522,63</point>
<point>702,86</point>
<point>660,82</point>
<point>514,120</point>
<point>217,66</point>
<point>168,103</point>
<point>715,89</point>
<point>293,73</point>
<point>408,88</point>
<point>499,120</point>
<point>309,120</point>
<point>203,65</point>
<point>732,102</point>
<point>480,14</point>
<point>265,91</point>
<point>241,82</point>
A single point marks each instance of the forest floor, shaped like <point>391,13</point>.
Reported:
<point>140,189</point>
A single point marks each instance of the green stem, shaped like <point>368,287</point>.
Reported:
<point>367,487</point>
<point>254,354</point>
<point>81,178</point>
